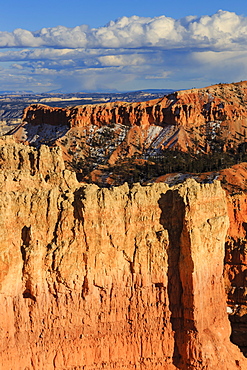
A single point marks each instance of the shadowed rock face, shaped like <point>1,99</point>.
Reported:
<point>236,268</point>
<point>109,278</point>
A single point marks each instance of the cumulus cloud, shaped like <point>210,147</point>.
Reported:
<point>121,60</point>
<point>128,53</point>
<point>219,31</point>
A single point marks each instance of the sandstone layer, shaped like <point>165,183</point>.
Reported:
<point>186,107</point>
<point>120,278</point>
<point>204,120</point>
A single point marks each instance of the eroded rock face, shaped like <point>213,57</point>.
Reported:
<point>109,278</point>
<point>204,120</point>
<point>186,107</point>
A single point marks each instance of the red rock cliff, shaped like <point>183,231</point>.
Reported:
<point>186,107</point>
<point>185,119</point>
<point>109,278</point>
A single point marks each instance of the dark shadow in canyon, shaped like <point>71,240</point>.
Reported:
<point>172,216</point>
<point>239,332</point>
<point>234,262</point>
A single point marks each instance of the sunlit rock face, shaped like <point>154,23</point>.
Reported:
<point>120,278</point>
<point>204,120</point>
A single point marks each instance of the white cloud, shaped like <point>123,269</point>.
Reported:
<point>219,31</point>
<point>129,53</point>
<point>121,60</point>
<point>230,65</point>
<point>17,66</point>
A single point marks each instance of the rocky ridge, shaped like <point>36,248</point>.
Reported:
<point>124,278</point>
<point>96,140</point>
<point>205,119</point>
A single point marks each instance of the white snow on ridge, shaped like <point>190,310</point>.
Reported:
<point>153,132</point>
<point>163,135</point>
<point>42,134</point>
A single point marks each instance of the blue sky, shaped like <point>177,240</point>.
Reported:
<point>34,15</point>
<point>130,45</point>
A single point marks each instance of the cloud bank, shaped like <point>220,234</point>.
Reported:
<point>129,53</point>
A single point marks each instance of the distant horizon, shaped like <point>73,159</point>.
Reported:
<point>150,90</point>
<point>3,92</point>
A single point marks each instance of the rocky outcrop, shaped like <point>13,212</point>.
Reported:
<point>120,278</point>
<point>187,108</point>
<point>41,114</point>
<point>202,120</point>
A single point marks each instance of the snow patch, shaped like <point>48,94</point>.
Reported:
<point>42,134</point>
<point>229,310</point>
<point>163,136</point>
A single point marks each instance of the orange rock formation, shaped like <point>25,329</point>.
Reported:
<point>109,278</point>
<point>187,119</point>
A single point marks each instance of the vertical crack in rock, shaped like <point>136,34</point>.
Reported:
<point>79,195</point>
<point>131,261</point>
<point>26,239</point>
<point>21,160</point>
<point>58,222</point>
<point>172,216</point>
<point>78,206</point>
<point>32,163</point>
<point>85,284</point>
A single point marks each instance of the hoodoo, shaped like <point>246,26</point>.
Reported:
<point>119,278</point>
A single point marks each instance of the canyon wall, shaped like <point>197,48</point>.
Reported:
<point>197,120</point>
<point>186,107</point>
<point>120,278</point>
